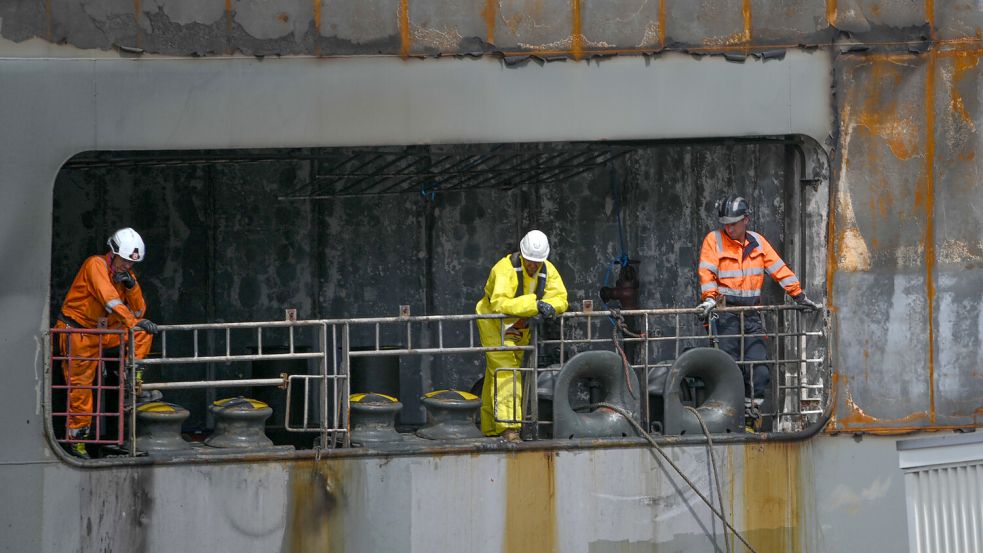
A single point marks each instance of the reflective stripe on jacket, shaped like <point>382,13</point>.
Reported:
<point>737,271</point>
<point>94,295</point>
<point>500,291</point>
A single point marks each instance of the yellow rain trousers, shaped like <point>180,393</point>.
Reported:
<point>500,297</point>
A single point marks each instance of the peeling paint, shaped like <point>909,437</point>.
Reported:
<point>843,497</point>
<point>442,39</point>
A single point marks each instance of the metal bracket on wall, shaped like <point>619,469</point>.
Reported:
<point>290,315</point>
<point>404,312</point>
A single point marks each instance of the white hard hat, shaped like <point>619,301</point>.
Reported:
<point>534,246</point>
<point>127,244</point>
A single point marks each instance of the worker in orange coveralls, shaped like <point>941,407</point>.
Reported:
<point>105,286</point>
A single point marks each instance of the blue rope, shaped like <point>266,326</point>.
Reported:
<point>429,190</point>
<point>621,260</point>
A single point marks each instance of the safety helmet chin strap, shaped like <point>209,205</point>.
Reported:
<point>540,285</point>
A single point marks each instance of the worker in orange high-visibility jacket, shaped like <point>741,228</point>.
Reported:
<point>105,287</point>
<point>733,265</point>
<point>521,285</point>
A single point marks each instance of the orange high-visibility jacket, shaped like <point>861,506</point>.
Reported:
<point>94,295</point>
<point>737,271</point>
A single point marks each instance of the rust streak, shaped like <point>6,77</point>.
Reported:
<point>831,12</point>
<point>404,28</point>
<point>489,14</point>
<point>856,419</point>
<point>577,39</point>
<point>662,24</point>
<point>317,503</point>
<point>897,430</point>
<point>929,205</point>
<point>771,488</point>
<point>228,25</point>
<point>746,11</point>
<point>930,17</point>
<point>530,503</point>
<point>136,20</point>
<point>964,62</point>
<point>317,27</point>
<point>47,17</point>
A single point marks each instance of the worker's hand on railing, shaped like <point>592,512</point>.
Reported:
<point>147,326</point>
<point>804,302</point>
<point>705,308</point>
<point>545,309</point>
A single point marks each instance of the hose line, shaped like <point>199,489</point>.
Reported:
<point>713,464</point>
<point>641,432</point>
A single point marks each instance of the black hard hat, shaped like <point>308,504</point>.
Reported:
<point>732,209</point>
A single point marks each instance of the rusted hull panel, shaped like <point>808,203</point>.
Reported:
<point>905,251</point>
<point>546,28</point>
<point>571,501</point>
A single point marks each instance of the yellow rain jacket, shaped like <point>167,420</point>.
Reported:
<point>502,295</point>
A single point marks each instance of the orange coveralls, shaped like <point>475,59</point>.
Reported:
<point>94,295</point>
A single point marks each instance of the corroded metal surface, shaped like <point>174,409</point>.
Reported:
<point>902,267</point>
<point>546,28</point>
<point>904,244</point>
<point>782,497</point>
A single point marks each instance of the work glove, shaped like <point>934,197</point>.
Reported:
<point>546,310</point>
<point>706,307</point>
<point>147,326</point>
<point>803,301</point>
<point>125,278</point>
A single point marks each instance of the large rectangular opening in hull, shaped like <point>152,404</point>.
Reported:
<point>358,232</point>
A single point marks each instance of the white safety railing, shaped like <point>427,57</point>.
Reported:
<point>329,387</point>
<point>649,341</point>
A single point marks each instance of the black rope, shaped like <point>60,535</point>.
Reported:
<point>641,432</point>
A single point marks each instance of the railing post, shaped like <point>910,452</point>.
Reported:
<point>345,369</point>
<point>130,388</point>
<point>326,349</point>
<point>346,386</point>
<point>534,399</point>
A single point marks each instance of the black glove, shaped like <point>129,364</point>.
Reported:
<point>125,278</point>
<point>803,301</point>
<point>546,310</point>
<point>147,326</point>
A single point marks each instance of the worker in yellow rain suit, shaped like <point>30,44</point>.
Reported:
<point>541,293</point>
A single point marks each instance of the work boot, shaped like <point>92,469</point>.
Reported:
<point>78,448</point>
<point>512,436</point>
<point>752,415</point>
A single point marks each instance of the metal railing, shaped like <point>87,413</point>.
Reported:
<point>106,358</point>
<point>649,339</point>
<point>329,386</point>
<point>655,338</point>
